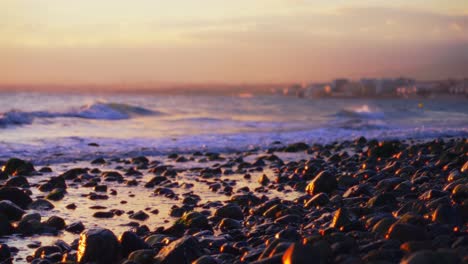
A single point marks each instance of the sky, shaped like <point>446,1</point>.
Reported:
<point>242,41</point>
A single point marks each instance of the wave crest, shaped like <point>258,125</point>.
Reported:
<point>99,111</point>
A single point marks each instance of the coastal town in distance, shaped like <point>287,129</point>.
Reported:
<point>377,87</point>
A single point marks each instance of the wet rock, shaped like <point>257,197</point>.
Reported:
<point>56,194</point>
<point>98,161</point>
<point>142,256</point>
<point>341,219</point>
<point>130,242</point>
<point>5,227</point>
<point>73,173</point>
<point>99,246</point>
<point>263,180</point>
<point>383,199</point>
<point>15,195</point>
<point>75,227</point>
<point>406,232</point>
<point>460,193</point>
<point>11,210</point>
<point>324,182</point>
<point>56,222</point>
<point>5,254</point>
<point>140,215</point>
<point>103,214</point>
<point>206,259</point>
<point>15,166</point>
<point>184,251</point>
<point>44,251</point>
<point>230,211</point>
<point>42,205</point>
<point>299,253</point>
<point>431,257</point>
<point>445,214</point>
<point>194,220</point>
<point>18,181</point>
<point>296,147</point>
<point>319,199</point>
<point>229,224</point>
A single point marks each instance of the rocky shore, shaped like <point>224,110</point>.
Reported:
<point>349,202</point>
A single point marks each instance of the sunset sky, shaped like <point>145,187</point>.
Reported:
<point>242,41</point>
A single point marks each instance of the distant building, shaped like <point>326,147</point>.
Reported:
<point>316,90</point>
<point>459,87</point>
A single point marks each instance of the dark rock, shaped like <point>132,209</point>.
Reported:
<point>75,227</point>
<point>11,210</point>
<point>99,246</point>
<point>140,215</point>
<point>73,173</point>
<point>299,253</point>
<point>230,211</point>
<point>41,204</point>
<point>324,182</point>
<point>16,166</point>
<point>296,147</point>
<point>206,259</point>
<point>103,214</point>
<point>194,220</point>
<point>5,254</point>
<point>15,195</point>
<point>142,256</point>
<point>130,242</point>
<point>18,181</point>
<point>56,194</point>
<point>229,224</point>
<point>182,251</point>
<point>406,232</point>
<point>320,199</point>
<point>44,251</point>
<point>56,222</point>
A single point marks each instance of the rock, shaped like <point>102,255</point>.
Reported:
<point>56,194</point>
<point>445,214</point>
<point>230,211</point>
<point>324,182</point>
<point>194,220</point>
<point>44,251</point>
<point>130,242</point>
<point>99,246</point>
<point>299,253</point>
<point>263,180</point>
<point>142,256</point>
<point>75,227</point>
<point>11,210</point>
<point>73,173</point>
<point>5,254</point>
<point>16,166</point>
<point>98,161</point>
<point>15,195</point>
<point>383,199</point>
<point>460,193</point>
<point>5,227</point>
<point>341,219</point>
<point>431,257</point>
<point>206,259</point>
<point>229,224</point>
<point>182,251</point>
<point>56,222</point>
<point>140,215</point>
<point>406,232</point>
<point>17,181</point>
<point>103,214</point>
<point>41,204</point>
<point>296,147</point>
<point>320,199</point>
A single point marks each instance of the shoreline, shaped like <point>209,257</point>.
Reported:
<point>348,202</point>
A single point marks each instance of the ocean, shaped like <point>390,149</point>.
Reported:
<point>62,127</point>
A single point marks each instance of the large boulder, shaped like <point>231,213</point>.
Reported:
<point>15,195</point>
<point>98,246</point>
<point>182,251</point>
